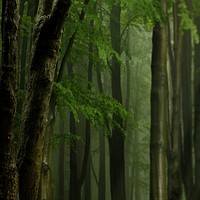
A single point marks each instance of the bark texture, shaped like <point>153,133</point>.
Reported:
<point>8,103</point>
<point>47,34</point>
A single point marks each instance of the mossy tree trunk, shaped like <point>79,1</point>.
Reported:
<point>46,42</point>
<point>8,102</point>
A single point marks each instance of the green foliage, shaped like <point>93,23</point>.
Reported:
<point>141,13</point>
<point>186,21</point>
<point>96,107</point>
<point>196,8</point>
<point>68,137</point>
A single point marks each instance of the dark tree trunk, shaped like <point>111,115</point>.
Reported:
<point>197,115</point>
<point>74,188</point>
<point>88,173</point>
<point>47,34</point>
<point>88,128</point>
<point>61,161</point>
<point>75,181</point>
<point>159,110</point>
<point>187,160</point>
<point>8,103</point>
<point>175,182</point>
<point>116,139</point>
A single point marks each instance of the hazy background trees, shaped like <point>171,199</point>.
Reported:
<point>88,146</point>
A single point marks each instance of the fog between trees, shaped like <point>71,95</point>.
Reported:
<point>99,100</point>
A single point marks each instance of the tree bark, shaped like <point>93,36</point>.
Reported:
<point>47,34</point>
<point>116,139</point>
<point>159,110</point>
<point>8,102</point>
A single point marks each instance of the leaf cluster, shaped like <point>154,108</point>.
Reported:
<point>186,21</point>
<point>98,108</point>
<point>70,138</point>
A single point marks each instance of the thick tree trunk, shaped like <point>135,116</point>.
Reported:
<point>116,140</point>
<point>8,103</point>
<point>159,113</point>
<point>47,35</point>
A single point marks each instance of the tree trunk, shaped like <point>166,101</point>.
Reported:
<point>116,139</point>
<point>61,161</point>
<point>46,185</point>
<point>47,34</point>
<point>88,179</point>
<point>197,115</point>
<point>175,183</point>
<point>102,160</point>
<point>74,188</point>
<point>88,128</point>
<point>8,102</point>
<point>159,112</point>
<point>187,160</point>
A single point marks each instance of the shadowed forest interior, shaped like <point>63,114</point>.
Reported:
<point>99,100</point>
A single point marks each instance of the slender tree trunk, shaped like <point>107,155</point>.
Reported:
<point>88,128</point>
<point>46,44</point>
<point>102,168</point>
<point>159,110</point>
<point>197,115</point>
<point>75,181</point>
<point>8,103</point>
<point>61,161</point>
<point>187,160</point>
<point>175,184</point>
<point>102,160</point>
<point>88,179</point>
<point>129,146</point>
<point>116,140</point>
<point>74,188</point>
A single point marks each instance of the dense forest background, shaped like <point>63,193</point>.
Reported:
<point>100,100</point>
